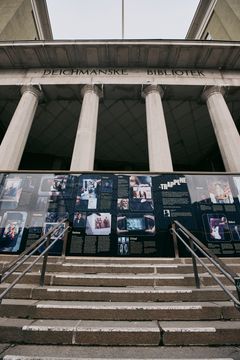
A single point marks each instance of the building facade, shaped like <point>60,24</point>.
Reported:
<point>216,20</point>
<point>122,138</point>
<point>24,20</point>
<point>119,133</point>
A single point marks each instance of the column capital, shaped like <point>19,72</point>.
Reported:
<point>152,89</point>
<point>33,90</point>
<point>211,90</point>
<point>91,89</point>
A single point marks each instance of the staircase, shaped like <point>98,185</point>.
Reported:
<point>151,303</point>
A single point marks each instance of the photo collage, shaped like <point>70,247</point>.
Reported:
<point>217,198</point>
<point>30,204</point>
<point>118,214</point>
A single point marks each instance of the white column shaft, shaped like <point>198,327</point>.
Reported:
<point>158,144</point>
<point>15,138</point>
<point>84,147</point>
<point>226,132</point>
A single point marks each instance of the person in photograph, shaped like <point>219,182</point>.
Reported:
<point>134,181</point>
<point>219,228</point>
<point>58,184</point>
<point>223,228</point>
<point>106,222</point>
<point>123,204</point>
<point>93,187</point>
<point>107,185</point>
<point>150,224</point>
<point>236,232</point>
<point>12,227</point>
<point>121,224</point>
<point>98,224</point>
<point>215,232</point>
<point>11,191</point>
<point>79,220</point>
<point>11,232</point>
<point>237,185</point>
<point>141,205</point>
<point>140,181</point>
<point>84,195</point>
<point>123,246</point>
<point>166,213</point>
<point>220,193</point>
<point>142,194</point>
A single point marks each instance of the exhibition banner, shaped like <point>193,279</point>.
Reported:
<point>120,214</point>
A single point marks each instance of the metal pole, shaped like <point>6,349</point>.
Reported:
<point>65,238</point>
<point>237,284</point>
<point>175,242</point>
<point>195,269</point>
<point>44,264</point>
<point>122,19</point>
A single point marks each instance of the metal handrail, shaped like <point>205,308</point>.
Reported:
<point>45,240</point>
<point>26,253</point>
<point>233,277</point>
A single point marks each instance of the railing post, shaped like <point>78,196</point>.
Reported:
<point>44,264</point>
<point>237,284</point>
<point>1,273</point>
<point>175,243</point>
<point>195,269</point>
<point>65,237</point>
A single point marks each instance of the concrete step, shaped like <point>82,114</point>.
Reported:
<point>140,260</point>
<point>27,331</point>
<point>78,269</point>
<point>130,293</point>
<point>133,268</point>
<point>162,266</point>
<point>118,310</point>
<point>133,280</point>
<point>16,357</point>
<point>200,333</point>
<point>5,258</point>
<point>107,279</point>
<point>119,333</point>
<point>47,352</point>
<point>116,268</point>
<point>120,302</point>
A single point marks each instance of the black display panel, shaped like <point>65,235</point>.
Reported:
<point>120,214</point>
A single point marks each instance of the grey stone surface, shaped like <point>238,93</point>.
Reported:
<point>130,314</point>
<point>200,333</point>
<point>128,310</point>
<point>117,333</point>
<point>85,352</point>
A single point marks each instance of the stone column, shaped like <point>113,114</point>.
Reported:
<point>84,147</point>
<point>158,144</point>
<point>225,130</point>
<point>16,136</point>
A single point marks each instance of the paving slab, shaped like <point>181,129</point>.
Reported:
<point>118,333</point>
<point>50,332</point>
<point>200,332</point>
<point>128,310</point>
<point>129,352</point>
<point>129,293</point>
<point>18,308</point>
<point>11,329</point>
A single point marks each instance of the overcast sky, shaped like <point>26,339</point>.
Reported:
<point>102,19</point>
